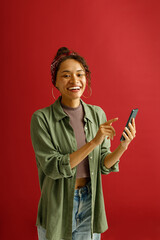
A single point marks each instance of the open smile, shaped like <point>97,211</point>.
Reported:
<point>74,89</point>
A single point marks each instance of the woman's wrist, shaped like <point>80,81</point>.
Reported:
<point>94,143</point>
<point>123,146</point>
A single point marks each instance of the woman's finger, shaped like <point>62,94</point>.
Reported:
<point>134,124</point>
<point>111,121</point>
<point>132,129</point>
<point>110,136</point>
<point>109,133</point>
<point>108,127</point>
<point>126,137</point>
<point>129,133</point>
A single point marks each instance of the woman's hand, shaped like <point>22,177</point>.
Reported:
<point>131,132</point>
<point>105,129</point>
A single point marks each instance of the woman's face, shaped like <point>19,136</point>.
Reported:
<point>71,80</point>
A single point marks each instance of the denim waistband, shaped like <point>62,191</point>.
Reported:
<point>83,190</point>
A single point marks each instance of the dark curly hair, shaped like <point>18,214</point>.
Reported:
<point>63,54</point>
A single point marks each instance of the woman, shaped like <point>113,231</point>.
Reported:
<point>71,140</point>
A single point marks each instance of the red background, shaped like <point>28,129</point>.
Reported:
<point>121,42</point>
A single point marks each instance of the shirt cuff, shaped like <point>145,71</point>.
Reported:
<point>65,167</point>
<point>114,168</point>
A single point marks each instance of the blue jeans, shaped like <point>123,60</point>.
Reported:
<point>81,221</point>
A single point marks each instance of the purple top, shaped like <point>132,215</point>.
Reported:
<point>76,116</point>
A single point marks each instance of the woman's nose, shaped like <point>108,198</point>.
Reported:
<point>74,78</point>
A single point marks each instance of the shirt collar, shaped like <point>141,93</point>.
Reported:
<point>60,114</point>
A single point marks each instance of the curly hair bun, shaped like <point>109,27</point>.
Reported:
<point>62,50</point>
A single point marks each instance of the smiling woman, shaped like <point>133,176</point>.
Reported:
<point>71,140</point>
<point>64,54</point>
<point>71,82</point>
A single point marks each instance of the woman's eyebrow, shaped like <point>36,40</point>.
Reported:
<point>69,71</point>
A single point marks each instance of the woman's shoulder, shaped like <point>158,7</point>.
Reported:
<point>42,111</point>
<point>95,108</point>
<point>95,113</point>
<point>50,113</point>
<point>42,114</point>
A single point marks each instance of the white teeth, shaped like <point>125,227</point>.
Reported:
<point>73,88</point>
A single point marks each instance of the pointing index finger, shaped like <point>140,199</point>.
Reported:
<point>109,122</point>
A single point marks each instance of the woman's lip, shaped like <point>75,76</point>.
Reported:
<point>73,90</point>
<point>74,86</point>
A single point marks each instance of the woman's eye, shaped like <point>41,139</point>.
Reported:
<point>80,75</point>
<point>66,76</point>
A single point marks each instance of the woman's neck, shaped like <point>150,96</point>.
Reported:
<point>73,103</point>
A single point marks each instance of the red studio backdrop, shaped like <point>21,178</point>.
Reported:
<point>120,41</point>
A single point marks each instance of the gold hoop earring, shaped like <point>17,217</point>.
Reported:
<point>53,94</point>
<point>90,89</point>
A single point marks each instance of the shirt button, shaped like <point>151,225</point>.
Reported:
<point>86,128</point>
<point>92,173</point>
<point>90,157</point>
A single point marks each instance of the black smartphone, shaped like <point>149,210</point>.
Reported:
<point>132,115</point>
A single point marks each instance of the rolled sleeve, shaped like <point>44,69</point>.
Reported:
<point>114,168</point>
<point>65,167</point>
<point>54,164</point>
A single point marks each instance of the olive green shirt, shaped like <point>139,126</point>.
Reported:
<point>53,141</point>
